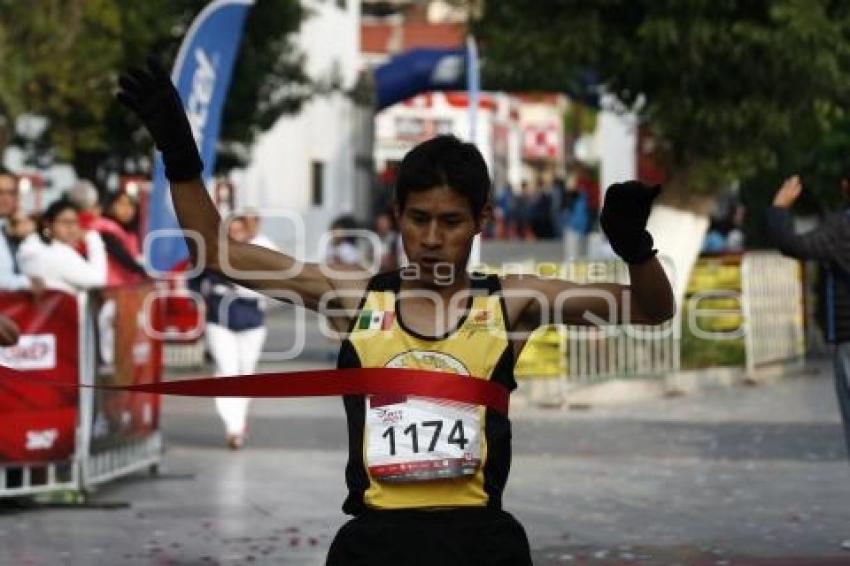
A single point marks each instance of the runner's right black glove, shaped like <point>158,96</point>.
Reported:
<point>151,95</point>
<point>623,219</point>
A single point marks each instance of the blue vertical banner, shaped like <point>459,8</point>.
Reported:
<point>202,74</point>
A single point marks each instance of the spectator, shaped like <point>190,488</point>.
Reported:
<point>829,244</point>
<point>578,222</point>
<point>725,232</point>
<point>540,213</point>
<point>735,237</point>
<point>22,225</point>
<point>114,217</point>
<point>715,238</point>
<point>85,197</point>
<point>342,249</point>
<point>252,221</point>
<point>587,183</point>
<point>12,277</point>
<point>119,229</point>
<point>236,331</point>
<point>561,206</point>
<point>521,210</point>
<point>388,235</point>
<point>505,212</point>
<point>61,253</point>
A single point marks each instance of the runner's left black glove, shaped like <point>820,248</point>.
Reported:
<point>151,95</point>
<point>624,215</point>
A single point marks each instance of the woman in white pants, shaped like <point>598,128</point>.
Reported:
<point>236,331</point>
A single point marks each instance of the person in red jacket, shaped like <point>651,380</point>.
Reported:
<point>113,215</point>
<point>117,227</point>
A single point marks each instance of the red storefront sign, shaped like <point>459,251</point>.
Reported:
<point>541,141</point>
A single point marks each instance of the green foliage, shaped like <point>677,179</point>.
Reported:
<point>698,352</point>
<point>579,120</point>
<point>56,56</point>
<point>724,83</point>
<point>61,59</point>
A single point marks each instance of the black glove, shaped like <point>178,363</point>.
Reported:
<point>150,94</point>
<point>624,215</point>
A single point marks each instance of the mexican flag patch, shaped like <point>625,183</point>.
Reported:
<point>375,320</point>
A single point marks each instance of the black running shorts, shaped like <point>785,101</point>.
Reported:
<point>452,537</point>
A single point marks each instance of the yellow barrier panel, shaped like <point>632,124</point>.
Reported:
<point>544,355</point>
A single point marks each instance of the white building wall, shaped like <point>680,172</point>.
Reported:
<point>280,173</point>
<point>616,138</point>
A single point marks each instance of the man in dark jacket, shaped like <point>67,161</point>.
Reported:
<point>829,244</point>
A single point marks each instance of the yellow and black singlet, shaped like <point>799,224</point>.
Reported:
<point>415,453</point>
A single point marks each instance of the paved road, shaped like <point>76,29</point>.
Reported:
<point>748,475</point>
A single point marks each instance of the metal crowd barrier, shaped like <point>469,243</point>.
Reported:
<point>770,321</point>
<point>81,438</point>
<point>772,306</point>
<point>600,353</point>
<point>23,478</point>
<point>589,353</point>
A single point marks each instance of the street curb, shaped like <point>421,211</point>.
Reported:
<point>557,393</point>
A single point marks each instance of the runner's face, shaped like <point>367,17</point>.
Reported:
<point>437,227</point>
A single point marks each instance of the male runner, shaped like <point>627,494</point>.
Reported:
<point>425,477</point>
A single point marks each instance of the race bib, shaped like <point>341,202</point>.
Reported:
<point>413,439</point>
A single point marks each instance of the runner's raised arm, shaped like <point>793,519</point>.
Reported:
<point>153,98</point>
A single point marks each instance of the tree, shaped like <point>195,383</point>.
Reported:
<point>58,61</point>
<point>723,83</point>
<point>730,89</point>
<point>61,59</point>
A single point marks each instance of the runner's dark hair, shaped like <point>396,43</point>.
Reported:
<point>445,161</point>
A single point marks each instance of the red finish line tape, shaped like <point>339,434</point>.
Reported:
<point>316,383</point>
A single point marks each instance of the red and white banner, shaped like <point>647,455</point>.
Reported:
<point>38,422</point>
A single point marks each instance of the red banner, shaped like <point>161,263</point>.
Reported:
<point>38,422</point>
<point>125,355</point>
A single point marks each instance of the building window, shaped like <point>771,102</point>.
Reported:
<point>342,4</point>
<point>317,183</point>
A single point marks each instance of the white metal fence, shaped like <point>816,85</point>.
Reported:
<point>597,353</point>
<point>772,305</point>
<point>771,315</point>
